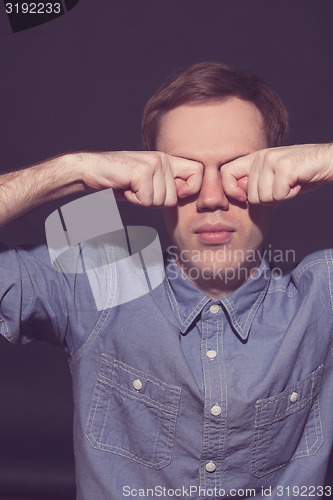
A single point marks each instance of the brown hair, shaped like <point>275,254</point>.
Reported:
<point>215,82</point>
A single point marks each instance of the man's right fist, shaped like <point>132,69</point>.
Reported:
<point>143,178</point>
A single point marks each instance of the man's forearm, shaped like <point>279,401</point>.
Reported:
<point>141,177</point>
<point>25,189</point>
<point>277,174</point>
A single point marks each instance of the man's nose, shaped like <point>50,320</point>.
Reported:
<point>211,195</point>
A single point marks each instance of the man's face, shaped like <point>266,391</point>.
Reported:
<point>214,235</point>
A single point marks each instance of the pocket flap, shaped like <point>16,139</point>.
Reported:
<point>289,401</point>
<point>138,384</point>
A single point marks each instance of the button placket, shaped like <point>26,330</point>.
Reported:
<point>215,395</point>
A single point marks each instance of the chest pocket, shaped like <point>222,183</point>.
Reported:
<point>133,414</point>
<point>287,426</point>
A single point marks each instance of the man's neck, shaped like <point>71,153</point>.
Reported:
<point>220,284</point>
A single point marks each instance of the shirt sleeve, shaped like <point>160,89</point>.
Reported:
<point>37,302</point>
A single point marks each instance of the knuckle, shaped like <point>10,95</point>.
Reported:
<point>158,203</point>
<point>147,202</point>
<point>278,196</point>
<point>225,171</point>
<point>157,159</point>
<point>266,198</point>
<point>263,156</point>
<point>170,203</point>
<point>253,199</point>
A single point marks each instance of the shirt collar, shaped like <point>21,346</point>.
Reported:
<point>241,306</point>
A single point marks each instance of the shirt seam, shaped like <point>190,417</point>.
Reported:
<point>82,350</point>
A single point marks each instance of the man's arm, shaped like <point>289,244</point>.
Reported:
<point>25,189</point>
<point>143,178</point>
<point>273,175</point>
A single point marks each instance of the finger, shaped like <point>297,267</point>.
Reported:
<point>233,175</point>
<point>130,196</point>
<point>191,186</point>
<point>265,185</point>
<point>252,185</point>
<point>141,190</point>
<point>233,188</point>
<point>294,191</point>
<point>159,187</point>
<point>171,189</point>
<point>285,185</point>
<point>187,175</point>
<point>282,190</point>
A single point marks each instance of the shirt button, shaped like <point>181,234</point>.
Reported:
<point>294,397</point>
<point>210,466</point>
<point>216,410</point>
<point>211,354</point>
<point>137,384</point>
<point>214,308</point>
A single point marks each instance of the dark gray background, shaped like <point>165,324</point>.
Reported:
<point>80,83</point>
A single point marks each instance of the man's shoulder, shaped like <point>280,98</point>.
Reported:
<point>37,260</point>
<point>316,264</point>
<point>313,271</point>
<point>24,251</point>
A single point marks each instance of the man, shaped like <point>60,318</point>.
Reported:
<point>215,383</point>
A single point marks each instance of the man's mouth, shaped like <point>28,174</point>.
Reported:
<point>214,234</point>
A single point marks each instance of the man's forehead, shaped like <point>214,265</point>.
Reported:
<point>220,110</point>
<point>230,125</point>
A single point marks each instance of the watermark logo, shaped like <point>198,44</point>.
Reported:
<point>87,236</point>
<point>228,264</point>
<point>24,15</point>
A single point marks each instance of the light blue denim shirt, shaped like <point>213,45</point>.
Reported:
<point>177,395</point>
